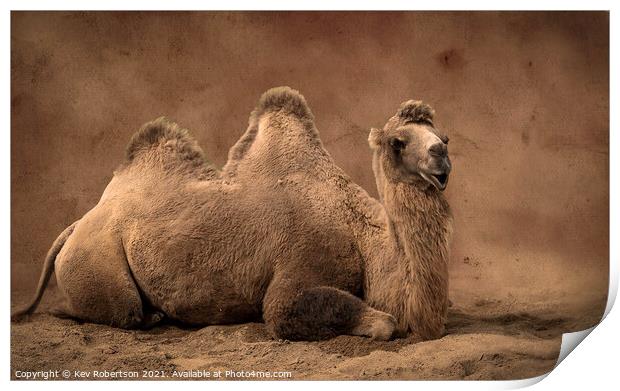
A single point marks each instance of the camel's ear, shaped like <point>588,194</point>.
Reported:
<point>375,137</point>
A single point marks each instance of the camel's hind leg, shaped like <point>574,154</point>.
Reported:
<point>98,284</point>
<point>297,312</point>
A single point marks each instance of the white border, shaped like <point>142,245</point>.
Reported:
<point>594,358</point>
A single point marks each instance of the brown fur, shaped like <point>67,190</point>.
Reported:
<point>280,233</point>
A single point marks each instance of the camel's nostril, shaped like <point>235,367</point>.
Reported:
<point>438,149</point>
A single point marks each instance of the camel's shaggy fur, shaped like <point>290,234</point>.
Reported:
<point>280,233</point>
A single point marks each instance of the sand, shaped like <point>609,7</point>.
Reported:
<point>486,339</point>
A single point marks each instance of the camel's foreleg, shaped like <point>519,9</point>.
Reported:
<point>313,313</point>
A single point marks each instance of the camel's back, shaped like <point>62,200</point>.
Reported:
<point>204,249</point>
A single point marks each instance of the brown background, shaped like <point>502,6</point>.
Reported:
<point>524,97</point>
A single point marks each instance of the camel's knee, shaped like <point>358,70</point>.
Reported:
<point>113,303</point>
<point>100,290</point>
<point>125,314</point>
<point>130,321</point>
<point>315,314</point>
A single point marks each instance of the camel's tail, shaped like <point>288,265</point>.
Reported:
<point>48,268</point>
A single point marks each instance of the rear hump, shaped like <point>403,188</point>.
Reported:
<point>162,131</point>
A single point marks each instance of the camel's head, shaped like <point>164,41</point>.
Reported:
<point>410,149</point>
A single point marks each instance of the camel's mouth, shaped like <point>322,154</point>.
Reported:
<point>440,181</point>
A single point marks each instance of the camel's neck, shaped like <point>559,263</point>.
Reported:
<point>412,281</point>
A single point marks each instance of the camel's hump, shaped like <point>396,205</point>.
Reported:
<point>285,99</point>
<point>163,131</point>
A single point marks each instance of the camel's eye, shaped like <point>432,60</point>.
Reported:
<point>445,139</point>
<point>397,144</point>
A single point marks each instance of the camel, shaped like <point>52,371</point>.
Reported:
<point>280,233</point>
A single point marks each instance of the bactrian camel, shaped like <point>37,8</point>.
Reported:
<point>281,233</point>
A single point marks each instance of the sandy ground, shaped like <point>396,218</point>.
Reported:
<point>486,339</point>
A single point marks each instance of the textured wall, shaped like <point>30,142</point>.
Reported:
<point>524,97</point>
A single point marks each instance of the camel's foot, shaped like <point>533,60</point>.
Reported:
<point>151,319</point>
<point>376,325</point>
